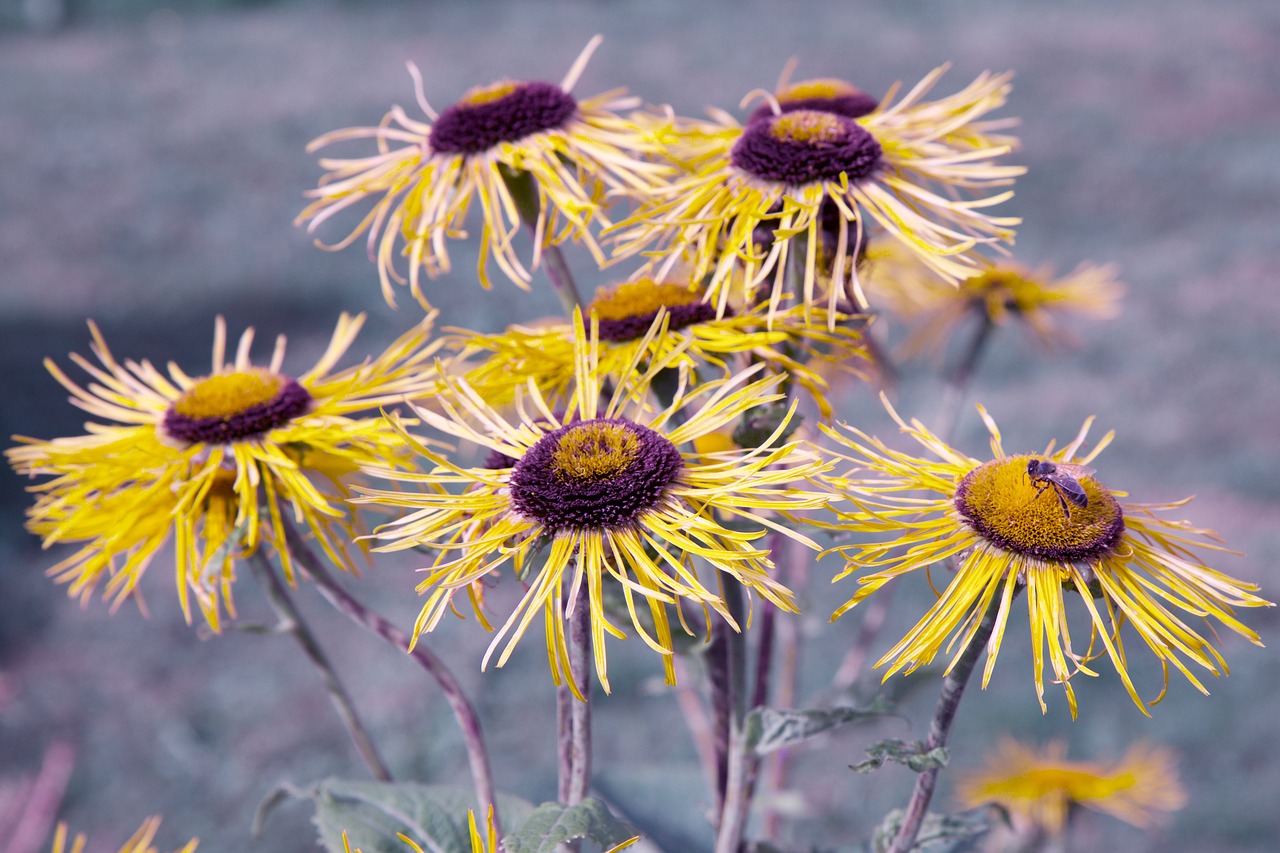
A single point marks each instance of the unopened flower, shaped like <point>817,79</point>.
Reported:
<point>1042,524</point>
<point>1038,788</point>
<point>603,494</point>
<point>485,841</point>
<point>798,173</point>
<point>214,461</point>
<point>525,150</point>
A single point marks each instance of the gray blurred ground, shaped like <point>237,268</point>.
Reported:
<point>151,169</point>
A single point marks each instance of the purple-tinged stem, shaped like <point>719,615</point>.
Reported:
<point>292,623</point>
<point>940,730</point>
<point>463,711</point>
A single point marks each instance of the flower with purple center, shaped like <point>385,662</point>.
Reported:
<point>612,497</point>
<point>826,94</point>
<point>922,172</point>
<point>529,152</point>
<point>800,342</point>
<point>215,462</point>
<point>1005,532</point>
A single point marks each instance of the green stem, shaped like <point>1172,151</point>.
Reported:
<point>524,192</point>
<point>737,801</point>
<point>292,623</point>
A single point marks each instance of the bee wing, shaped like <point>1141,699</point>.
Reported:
<point>1073,470</point>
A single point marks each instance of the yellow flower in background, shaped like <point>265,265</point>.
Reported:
<point>508,145</point>
<point>486,842</point>
<point>1038,787</point>
<point>214,461</point>
<point>1039,523</point>
<point>602,495</point>
<point>796,174</point>
<point>1003,292</point>
<point>140,842</point>
<point>797,338</point>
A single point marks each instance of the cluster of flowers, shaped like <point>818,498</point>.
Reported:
<point>613,469</point>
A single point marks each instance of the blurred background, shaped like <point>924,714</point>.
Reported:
<point>153,164</point>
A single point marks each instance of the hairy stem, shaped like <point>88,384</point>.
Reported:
<point>737,798</point>
<point>353,609</point>
<point>940,729</point>
<point>292,623</point>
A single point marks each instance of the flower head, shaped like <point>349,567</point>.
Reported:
<point>215,461</point>
<point>140,842</point>
<point>1040,523</point>
<point>1038,787</point>
<point>528,150</point>
<point>607,498</point>
<point>544,354</point>
<point>796,172</point>
<point>1001,293</point>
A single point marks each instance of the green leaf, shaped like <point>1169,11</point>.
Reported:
<point>913,755</point>
<point>553,824</point>
<point>939,833</point>
<point>770,729</point>
<point>372,813</point>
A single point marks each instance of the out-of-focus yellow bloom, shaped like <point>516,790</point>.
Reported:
<point>1038,787</point>
<point>140,842</point>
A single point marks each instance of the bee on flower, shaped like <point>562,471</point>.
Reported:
<point>1010,529</point>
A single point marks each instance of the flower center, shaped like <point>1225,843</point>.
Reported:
<point>1039,519</point>
<point>804,146</point>
<point>826,94</point>
<point>591,475</point>
<point>506,111</point>
<point>1077,784</point>
<point>1003,290</point>
<point>230,407</point>
<point>626,311</point>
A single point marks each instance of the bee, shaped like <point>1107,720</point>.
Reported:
<point>1063,478</point>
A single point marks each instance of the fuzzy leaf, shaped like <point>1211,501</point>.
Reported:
<point>912,755</point>
<point>553,824</point>
<point>939,833</point>
<point>372,813</point>
<point>770,729</point>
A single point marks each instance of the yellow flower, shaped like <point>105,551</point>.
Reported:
<point>1002,292</point>
<point>139,843</point>
<point>602,495</point>
<point>215,460</point>
<point>796,338</point>
<point>1037,788</point>
<point>511,144</point>
<point>480,843</point>
<point>788,179</point>
<point>1039,522</point>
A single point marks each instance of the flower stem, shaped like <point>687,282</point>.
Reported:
<point>292,623</point>
<point>524,192</point>
<point>463,711</point>
<point>957,382</point>
<point>737,793</point>
<point>940,729</point>
<point>579,783</point>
